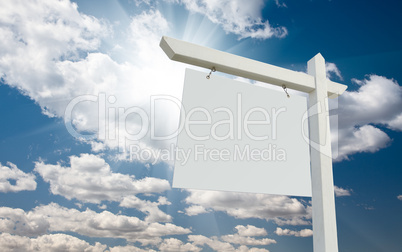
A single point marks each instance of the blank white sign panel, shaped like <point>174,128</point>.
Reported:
<point>239,137</point>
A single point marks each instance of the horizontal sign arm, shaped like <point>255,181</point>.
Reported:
<point>236,65</point>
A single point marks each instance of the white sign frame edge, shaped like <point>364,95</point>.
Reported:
<point>201,56</point>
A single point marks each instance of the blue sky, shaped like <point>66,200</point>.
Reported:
<point>59,192</point>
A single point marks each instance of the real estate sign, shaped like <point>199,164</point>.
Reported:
<point>241,137</point>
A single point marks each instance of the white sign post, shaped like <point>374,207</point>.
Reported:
<point>319,89</point>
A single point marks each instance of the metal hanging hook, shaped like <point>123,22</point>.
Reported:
<point>286,90</point>
<point>209,75</point>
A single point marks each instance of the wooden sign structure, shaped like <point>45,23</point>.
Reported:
<point>319,89</point>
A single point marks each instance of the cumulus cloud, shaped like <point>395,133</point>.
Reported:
<point>50,242</point>
<point>399,197</point>
<point>216,244</point>
<point>244,236</point>
<point>243,240</point>
<point>195,210</point>
<point>339,191</point>
<point>366,138</point>
<point>375,103</point>
<point>176,245</point>
<point>332,70</point>
<point>90,179</point>
<point>133,101</point>
<point>129,248</point>
<point>54,218</point>
<point>213,243</point>
<point>239,17</point>
<point>282,209</point>
<point>13,179</point>
<point>64,242</point>
<point>250,230</point>
<point>52,53</point>
<point>16,221</point>
<point>148,207</point>
<point>302,233</point>
<point>38,34</point>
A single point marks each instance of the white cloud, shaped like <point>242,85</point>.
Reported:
<point>129,248</point>
<point>13,179</point>
<point>106,224</point>
<point>243,240</point>
<point>36,34</point>
<point>103,206</point>
<point>332,69</point>
<point>52,53</point>
<point>90,179</point>
<point>302,233</point>
<point>16,221</point>
<point>214,243</point>
<point>244,236</point>
<point>50,242</point>
<point>250,230</point>
<point>246,249</point>
<point>294,221</point>
<point>396,123</point>
<point>376,102</point>
<point>176,245</point>
<point>339,191</point>
<point>54,218</point>
<point>218,245</point>
<point>151,208</point>
<point>195,210</point>
<point>281,209</point>
<point>150,25</point>
<point>59,242</point>
<point>366,138</point>
<point>399,197</point>
<point>10,242</point>
<point>239,17</point>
